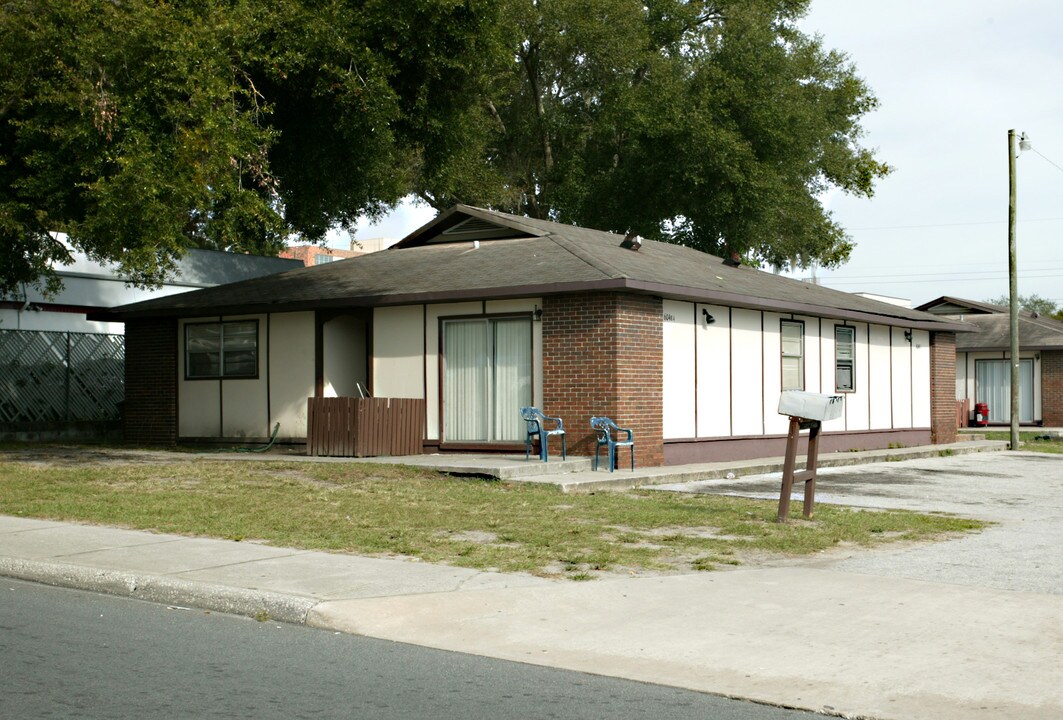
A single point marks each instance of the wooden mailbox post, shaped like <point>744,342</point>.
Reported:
<point>807,411</point>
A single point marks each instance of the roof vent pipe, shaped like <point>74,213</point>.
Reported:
<point>631,242</point>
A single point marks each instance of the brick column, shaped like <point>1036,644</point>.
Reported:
<point>942,387</point>
<point>1052,387</point>
<point>603,355</point>
<point>150,416</point>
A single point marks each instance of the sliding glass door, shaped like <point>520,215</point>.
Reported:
<point>487,372</point>
<point>993,387</point>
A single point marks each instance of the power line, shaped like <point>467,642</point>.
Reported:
<point>1035,152</point>
<point>956,275</point>
<point>960,224</point>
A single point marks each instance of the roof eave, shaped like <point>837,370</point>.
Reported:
<point>536,290</point>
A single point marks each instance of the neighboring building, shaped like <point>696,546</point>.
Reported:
<point>89,286</point>
<point>480,312</point>
<point>983,366</point>
<point>311,255</point>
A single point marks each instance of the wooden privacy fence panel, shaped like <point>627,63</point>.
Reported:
<point>364,427</point>
<point>963,413</point>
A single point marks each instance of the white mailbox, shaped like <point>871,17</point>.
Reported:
<point>811,406</point>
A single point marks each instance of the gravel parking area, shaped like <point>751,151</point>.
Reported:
<point>1021,492</point>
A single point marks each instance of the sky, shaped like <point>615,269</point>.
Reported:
<point>952,77</point>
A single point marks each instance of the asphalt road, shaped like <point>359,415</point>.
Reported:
<point>72,654</point>
<point>1021,493</point>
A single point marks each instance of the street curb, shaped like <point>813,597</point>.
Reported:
<point>163,590</point>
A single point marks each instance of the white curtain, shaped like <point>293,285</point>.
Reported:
<point>486,379</point>
<point>512,386</point>
<point>993,387</point>
<point>465,376</point>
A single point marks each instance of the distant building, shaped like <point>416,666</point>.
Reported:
<point>89,286</point>
<point>310,255</point>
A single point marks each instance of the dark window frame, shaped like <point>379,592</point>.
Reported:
<point>221,373</point>
<point>840,362</point>
<point>800,324</point>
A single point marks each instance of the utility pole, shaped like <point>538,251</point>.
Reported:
<point>1013,288</point>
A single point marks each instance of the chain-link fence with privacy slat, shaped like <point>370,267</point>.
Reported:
<point>60,376</point>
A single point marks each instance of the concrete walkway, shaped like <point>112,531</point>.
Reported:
<point>576,474</point>
<point>863,642</point>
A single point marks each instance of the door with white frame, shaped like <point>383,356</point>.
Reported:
<point>992,385</point>
<point>487,378</point>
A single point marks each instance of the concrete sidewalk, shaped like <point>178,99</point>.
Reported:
<point>855,645</point>
<point>917,631</point>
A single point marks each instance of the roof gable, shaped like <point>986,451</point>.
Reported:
<point>946,305</point>
<point>471,253</point>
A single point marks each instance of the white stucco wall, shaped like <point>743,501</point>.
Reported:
<point>291,371</point>
<point>398,351</point>
<point>880,388</point>
<point>724,379</point>
<point>713,371</point>
<point>680,381</point>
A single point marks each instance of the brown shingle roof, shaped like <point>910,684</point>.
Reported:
<point>544,258</point>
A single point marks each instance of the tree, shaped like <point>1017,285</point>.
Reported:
<point>139,128</point>
<point>713,124</point>
<point>136,129</point>
<point>1033,304</point>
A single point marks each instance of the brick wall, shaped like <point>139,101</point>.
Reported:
<point>1052,387</point>
<point>150,416</point>
<point>942,387</point>
<point>603,355</point>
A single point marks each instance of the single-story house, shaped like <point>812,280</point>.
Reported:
<point>481,312</point>
<point>983,367</point>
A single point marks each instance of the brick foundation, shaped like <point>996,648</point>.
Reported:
<point>150,415</point>
<point>603,355</point>
<point>942,387</point>
<point>1052,387</point>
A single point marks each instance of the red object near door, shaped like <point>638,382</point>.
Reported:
<point>981,414</point>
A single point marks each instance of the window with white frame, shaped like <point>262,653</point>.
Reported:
<point>221,350</point>
<point>844,355</point>
<point>793,355</point>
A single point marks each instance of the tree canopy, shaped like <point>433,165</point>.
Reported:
<point>714,124</point>
<point>1033,304</point>
<point>139,128</point>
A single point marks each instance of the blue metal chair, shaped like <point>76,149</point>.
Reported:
<point>608,434</point>
<point>535,421</point>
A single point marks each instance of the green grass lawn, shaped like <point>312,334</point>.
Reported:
<point>1028,440</point>
<point>396,510</point>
